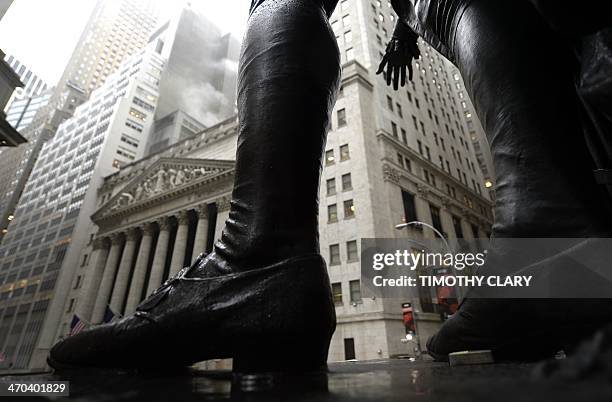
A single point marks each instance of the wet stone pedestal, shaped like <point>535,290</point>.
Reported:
<point>384,380</point>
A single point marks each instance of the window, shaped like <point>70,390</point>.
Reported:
<point>350,54</point>
<point>399,110</point>
<point>137,114</point>
<point>70,306</point>
<point>139,102</point>
<point>409,207</point>
<point>337,293</point>
<point>435,218</point>
<point>348,37</point>
<point>331,186</point>
<point>420,146</point>
<point>352,253</point>
<point>400,159</point>
<point>428,153</point>
<point>329,157</point>
<point>408,164</point>
<point>404,136</point>
<point>334,254</point>
<point>126,154</point>
<point>394,130</point>
<point>347,182</point>
<point>341,117</point>
<point>389,102</point>
<point>332,213</point>
<point>474,231</point>
<point>355,289</point>
<point>457,226</point>
<point>349,349</point>
<point>344,152</point>
<point>129,140</point>
<point>349,209</point>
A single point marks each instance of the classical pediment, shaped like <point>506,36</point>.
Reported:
<point>165,178</point>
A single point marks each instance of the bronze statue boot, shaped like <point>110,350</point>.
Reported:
<point>263,295</point>
<point>545,186</point>
<point>277,318</point>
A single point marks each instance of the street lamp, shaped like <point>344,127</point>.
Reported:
<point>417,224</point>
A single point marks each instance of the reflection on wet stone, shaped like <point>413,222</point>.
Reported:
<point>381,380</point>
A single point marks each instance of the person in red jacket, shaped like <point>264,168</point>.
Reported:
<point>518,62</point>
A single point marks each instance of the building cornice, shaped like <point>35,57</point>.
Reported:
<point>382,134</point>
<point>353,72</point>
<point>166,179</point>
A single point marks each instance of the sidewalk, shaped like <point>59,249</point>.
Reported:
<point>383,380</point>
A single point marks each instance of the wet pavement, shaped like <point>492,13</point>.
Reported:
<point>384,380</point>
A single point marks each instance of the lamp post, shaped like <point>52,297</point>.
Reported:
<point>417,224</point>
<point>413,336</point>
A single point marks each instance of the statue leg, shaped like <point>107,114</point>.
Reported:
<point>521,81</point>
<point>263,293</point>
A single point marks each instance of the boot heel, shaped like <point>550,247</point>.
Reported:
<point>292,356</point>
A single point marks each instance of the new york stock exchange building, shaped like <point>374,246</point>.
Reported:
<point>158,214</point>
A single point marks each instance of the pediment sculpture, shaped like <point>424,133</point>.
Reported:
<point>166,177</point>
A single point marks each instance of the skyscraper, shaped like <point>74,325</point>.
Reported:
<point>26,101</point>
<point>52,221</point>
<point>115,30</point>
<point>33,85</point>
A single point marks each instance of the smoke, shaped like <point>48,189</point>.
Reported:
<point>200,78</point>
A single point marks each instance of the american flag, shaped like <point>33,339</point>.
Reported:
<point>77,325</point>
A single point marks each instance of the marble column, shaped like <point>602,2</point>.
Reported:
<point>161,251</point>
<point>466,226</point>
<point>140,269</point>
<point>125,267</point>
<point>201,237</point>
<point>180,243</point>
<point>223,207</point>
<point>446,219</point>
<point>106,285</point>
<point>93,276</point>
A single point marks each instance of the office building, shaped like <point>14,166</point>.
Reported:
<point>33,85</point>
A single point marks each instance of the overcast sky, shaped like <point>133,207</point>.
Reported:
<point>42,33</point>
